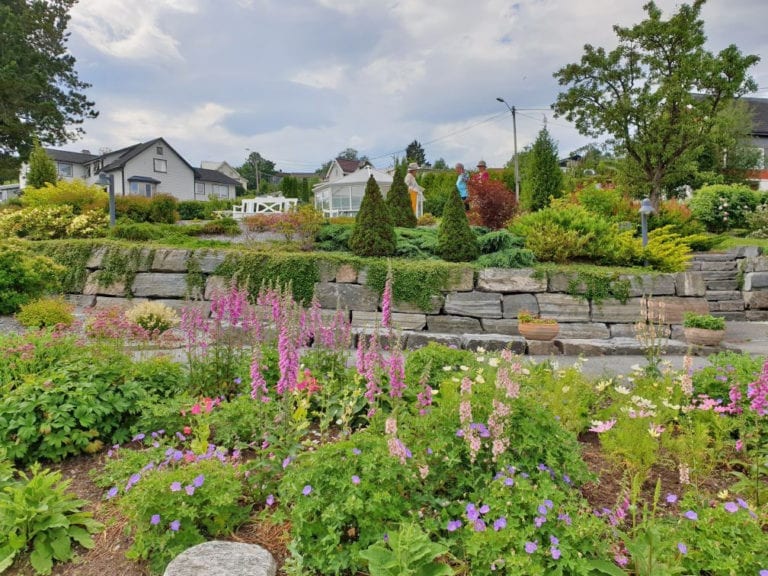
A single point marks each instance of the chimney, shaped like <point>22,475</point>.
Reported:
<point>86,151</point>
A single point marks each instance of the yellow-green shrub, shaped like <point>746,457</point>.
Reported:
<point>24,275</point>
<point>667,251</point>
<point>46,312</point>
<point>42,223</point>
<point>153,316</point>
<point>75,193</point>
<point>91,224</point>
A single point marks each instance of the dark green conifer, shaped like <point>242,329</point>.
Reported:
<point>399,201</point>
<point>374,233</point>
<point>455,240</point>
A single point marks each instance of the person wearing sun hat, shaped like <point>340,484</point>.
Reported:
<point>482,174</point>
<point>413,187</point>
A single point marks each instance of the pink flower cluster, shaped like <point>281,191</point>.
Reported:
<point>757,393</point>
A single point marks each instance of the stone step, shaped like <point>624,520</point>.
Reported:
<point>720,295</point>
<point>720,285</point>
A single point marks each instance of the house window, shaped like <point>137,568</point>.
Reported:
<point>200,189</point>
<point>161,165</point>
<point>159,150</point>
<point>142,189</point>
<point>221,191</point>
<point>64,169</point>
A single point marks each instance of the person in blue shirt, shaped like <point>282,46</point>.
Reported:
<point>461,184</point>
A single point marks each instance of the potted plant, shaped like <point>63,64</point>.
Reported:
<point>536,328</point>
<point>703,329</point>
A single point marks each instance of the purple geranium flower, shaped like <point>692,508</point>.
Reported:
<point>307,490</point>
<point>355,479</point>
<point>531,547</point>
<point>453,525</point>
<point>190,490</point>
<point>155,520</point>
<point>671,498</point>
<point>682,547</point>
<point>175,525</point>
<point>198,481</point>
<point>500,523</point>
<point>731,507</point>
<point>691,515</point>
<point>112,492</point>
<point>270,500</point>
<point>175,486</point>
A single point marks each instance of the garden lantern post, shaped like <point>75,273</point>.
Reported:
<point>108,180</point>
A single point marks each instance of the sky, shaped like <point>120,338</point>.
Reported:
<point>301,80</point>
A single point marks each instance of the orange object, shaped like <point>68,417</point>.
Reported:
<point>414,200</point>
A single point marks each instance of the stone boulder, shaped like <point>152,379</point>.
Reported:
<point>217,558</point>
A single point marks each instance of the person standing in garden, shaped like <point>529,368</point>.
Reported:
<point>482,172</point>
<point>461,184</point>
<point>414,189</point>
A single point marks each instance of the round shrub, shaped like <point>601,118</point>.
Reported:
<point>45,312</point>
<point>154,317</point>
<point>192,210</point>
<point>24,276</point>
<point>722,207</point>
<point>76,193</point>
<point>493,202</point>
<point>134,208</point>
<point>162,209</point>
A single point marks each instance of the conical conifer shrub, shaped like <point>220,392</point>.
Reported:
<point>399,201</point>
<point>455,240</point>
<point>374,233</point>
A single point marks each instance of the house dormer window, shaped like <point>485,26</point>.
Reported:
<point>159,150</point>
<point>161,165</point>
<point>64,169</point>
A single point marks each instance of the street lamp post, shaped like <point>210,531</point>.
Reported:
<point>646,208</point>
<point>514,141</point>
<point>255,163</point>
<point>108,180</point>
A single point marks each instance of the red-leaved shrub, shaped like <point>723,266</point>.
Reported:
<point>492,201</point>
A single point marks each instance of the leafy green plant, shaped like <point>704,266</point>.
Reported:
<point>37,511</point>
<point>705,321</point>
<point>399,201</point>
<point>24,276</point>
<point>666,250</point>
<point>173,508</point>
<point>408,551</point>
<point>46,312</point>
<point>721,207</point>
<point>509,258</point>
<point>525,317</point>
<point>135,231</point>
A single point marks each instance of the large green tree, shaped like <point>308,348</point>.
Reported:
<point>544,179</point>
<point>40,92</point>
<point>657,93</point>
<point>257,170</point>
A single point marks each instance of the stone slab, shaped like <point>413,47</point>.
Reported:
<point>511,304</point>
<point>103,302</point>
<point>690,284</point>
<point>722,285</point>
<point>675,307</point>
<point>362,276</point>
<point>756,300</point>
<point>510,280</point>
<point>326,271</point>
<point>757,315</point>
<point>583,330</point>
<point>217,558</point>
<point>709,276</point>
<point>755,281</point>
<point>170,260</point>
<point>180,305</point>
<point>400,321</point>
<point>417,340</point>
<point>494,342</point>
<point>215,286</point>
<point>596,347</point>
<point>92,287</point>
<point>650,284</point>
<point>714,257</point>
<point>747,251</point>
<point>505,326</point>
<point>613,311</point>
<point>333,295</point>
<point>453,325</point>
<point>476,304</point>
<point>561,282</point>
<point>731,315</point>
<point>759,264</point>
<point>160,285</point>
<point>563,307</point>
<point>622,330</point>
<point>209,260</point>
<point>460,280</point>
<point>720,295</point>
<point>81,300</point>
<point>727,306</point>
<point>718,266</point>
<point>544,348</point>
<point>346,274</point>
<point>435,305</point>
<point>385,339</point>
<point>96,257</point>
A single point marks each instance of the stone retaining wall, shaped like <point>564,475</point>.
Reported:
<point>474,303</point>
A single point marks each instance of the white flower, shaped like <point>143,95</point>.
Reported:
<point>463,368</point>
<point>447,368</point>
<point>493,362</point>
<point>566,389</point>
<point>622,390</point>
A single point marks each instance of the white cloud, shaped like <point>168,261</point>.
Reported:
<point>328,77</point>
<point>130,30</point>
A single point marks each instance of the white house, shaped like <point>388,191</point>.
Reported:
<point>144,169</point>
<point>226,169</point>
<point>343,196</point>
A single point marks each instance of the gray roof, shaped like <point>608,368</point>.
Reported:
<point>131,152</point>
<point>759,109</point>
<point>207,175</point>
<point>143,179</point>
<point>71,157</point>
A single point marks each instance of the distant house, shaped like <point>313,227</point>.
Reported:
<point>212,183</point>
<point>8,191</point>
<point>341,167</point>
<point>144,169</point>
<point>225,168</point>
<point>343,196</point>
<point>759,109</point>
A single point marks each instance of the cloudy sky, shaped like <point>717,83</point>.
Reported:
<point>301,80</point>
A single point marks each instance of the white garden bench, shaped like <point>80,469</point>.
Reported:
<point>263,205</point>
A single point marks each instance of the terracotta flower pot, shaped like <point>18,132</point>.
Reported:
<point>532,331</point>
<point>703,336</point>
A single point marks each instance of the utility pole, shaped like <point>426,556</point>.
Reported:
<point>514,141</point>
<point>254,158</point>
